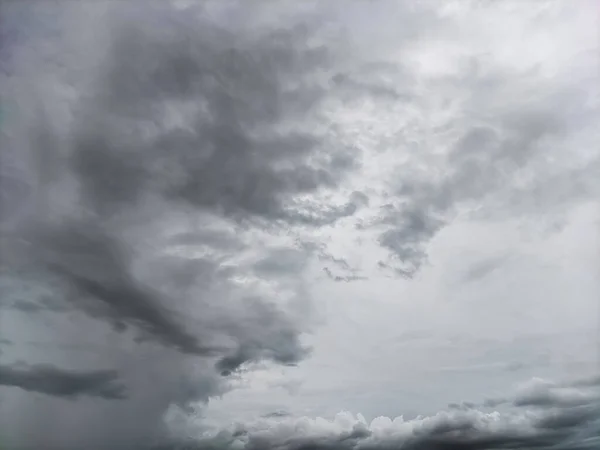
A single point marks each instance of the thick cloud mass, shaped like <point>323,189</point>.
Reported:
<point>186,130</point>
<point>547,423</point>
<point>172,172</point>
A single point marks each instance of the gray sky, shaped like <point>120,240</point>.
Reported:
<point>285,225</point>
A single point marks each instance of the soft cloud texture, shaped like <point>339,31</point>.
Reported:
<point>128,170</point>
<point>553,424</point>
<point>214,211</point>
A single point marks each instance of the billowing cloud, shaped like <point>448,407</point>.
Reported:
<point>550,425</point>
<point>189,146</point>
<point>241,146</point>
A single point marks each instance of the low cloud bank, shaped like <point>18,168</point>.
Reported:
<point>534,420</point>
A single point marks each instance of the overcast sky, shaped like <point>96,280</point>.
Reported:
<point>287,223</point>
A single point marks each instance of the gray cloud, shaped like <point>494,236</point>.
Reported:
<point>50,380</point>
<point>409,229</point>
<point>547,397</point>
<point>484,268</point>
<point>235,153</point>
<point>470,429</point>
<point>94,263</point>
<point>193,138</point>
<point>339,278</point>
<point>587,382</point>
<point>546,394</point>
<point>482,162</point>
<point>539,393</point>
<point>496,163</point>
<point>190,127</point>
<point>549,425</point>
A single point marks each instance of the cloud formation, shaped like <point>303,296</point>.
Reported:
<point>61,383</point>
<point>166,165</point>
<point>187,147</point>
<point>242,148</point>
<point>484,136</point>
<point>553,424</point>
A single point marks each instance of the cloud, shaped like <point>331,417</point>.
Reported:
<point>176,160</point>
<point>485,150</point>
<point>338,278</point>
<point>50,380</point>
<point>470,429</point>
<point>186,150</point>
<point>542,393</point>
<point>91,261</point>
<point>482,163</point>
<point>4,342</point>
<point>462,426</point>
<point>242,148</point>
<point>337,269</point>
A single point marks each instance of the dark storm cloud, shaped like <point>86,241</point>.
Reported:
<point>189,141</point>
<point>234,156</point>
<point>236,153</point>
<point>265,333</point>
<point>51,380</point>
<point>97,266</point>
<point>195,124</point>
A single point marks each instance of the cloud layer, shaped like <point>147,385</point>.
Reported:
<point>537,422</point>
<point>190,146</point>
<point>172,177</point>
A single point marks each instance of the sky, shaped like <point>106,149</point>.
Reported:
<point>300,225</point>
